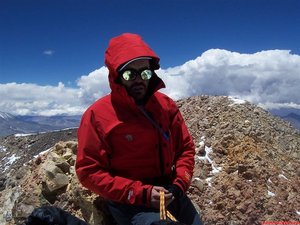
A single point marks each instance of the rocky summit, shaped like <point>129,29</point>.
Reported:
<point>247,168</point>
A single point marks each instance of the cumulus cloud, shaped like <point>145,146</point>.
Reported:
<point>32,99</point>
<point>93,85</point>
<point>267,78</point>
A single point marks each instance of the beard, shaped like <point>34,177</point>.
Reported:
<point>137,91</point>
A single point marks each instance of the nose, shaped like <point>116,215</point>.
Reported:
<point>138,78</point>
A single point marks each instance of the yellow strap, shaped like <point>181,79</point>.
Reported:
<point>162,205</point>
<point>171,217</point>
<point>163,214</point>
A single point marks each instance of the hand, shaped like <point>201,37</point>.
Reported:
<point>154,201</point>
<point>175,190</point>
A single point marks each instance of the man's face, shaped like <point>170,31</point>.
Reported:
<point>138,87</point>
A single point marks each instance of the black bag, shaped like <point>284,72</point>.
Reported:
<point>164,222</point>
<point>49,215</point>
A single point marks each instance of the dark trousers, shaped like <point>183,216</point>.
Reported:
<point>182,209</point>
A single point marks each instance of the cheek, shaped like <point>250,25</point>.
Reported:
<point>126,84</point>
<point>147,83</point>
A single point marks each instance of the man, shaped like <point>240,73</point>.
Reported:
<point>133,143</point>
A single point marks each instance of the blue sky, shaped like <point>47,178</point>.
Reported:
<point>77,32</point>
<point>58,43</point>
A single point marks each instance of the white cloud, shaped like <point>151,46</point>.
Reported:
<point>93,86</point>
<point>32,99</point>
<point>49,52</point>
<point>267,78</point>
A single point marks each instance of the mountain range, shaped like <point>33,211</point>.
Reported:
<point>10,124</point>
<point>294,119</point>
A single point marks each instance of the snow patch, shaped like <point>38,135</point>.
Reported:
<point>236,100</point>
<point>44,132</point>
<point>10,160</point>
<point>5,116</point>
<point>24,135</point>
<point>42,153</point>
<point>3,149</point>
<point>282,176</point>
<point>271,193</point>
<point>208,150</point>
<point>269,180</point>
<point>208,180</point>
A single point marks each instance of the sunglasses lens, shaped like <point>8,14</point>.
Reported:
<point>128,75</point>
<point>146,74</point>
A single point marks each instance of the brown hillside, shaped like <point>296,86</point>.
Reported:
<point>247,168</point>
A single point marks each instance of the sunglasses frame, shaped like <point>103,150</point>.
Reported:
<point>134,73</point>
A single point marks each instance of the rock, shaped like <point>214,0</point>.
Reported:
<point>57,182</point>
<point>22,211</point>
<point>298,171</point>
<point>72,145</point>
<point>2,183</point>
<point>68,154</point>
<point>199,184</point>
<point>51,170</point>
<point>252,155</point>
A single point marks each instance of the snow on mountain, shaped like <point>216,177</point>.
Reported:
<point>5,116</point>
<point>10,124</point>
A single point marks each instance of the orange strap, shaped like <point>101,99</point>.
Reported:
<point>163,213</point>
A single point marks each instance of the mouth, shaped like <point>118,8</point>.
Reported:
<point>138,88</point>
<point>138,91</point>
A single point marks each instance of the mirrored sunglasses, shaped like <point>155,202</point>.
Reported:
<point>131,74</point>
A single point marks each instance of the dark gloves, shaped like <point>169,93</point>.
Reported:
<point>175,190</point>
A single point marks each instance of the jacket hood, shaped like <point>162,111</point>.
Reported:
<point>124,48</point>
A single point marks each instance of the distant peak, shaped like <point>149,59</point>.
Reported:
<point>5,115</point>
<point>292,115</point>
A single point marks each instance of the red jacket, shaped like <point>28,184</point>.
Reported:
<point>121,155</point>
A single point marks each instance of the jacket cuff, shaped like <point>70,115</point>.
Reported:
<point>179,183</point>
<point>175,190</point>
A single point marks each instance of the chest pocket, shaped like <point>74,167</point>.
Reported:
<point>130,141</point>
